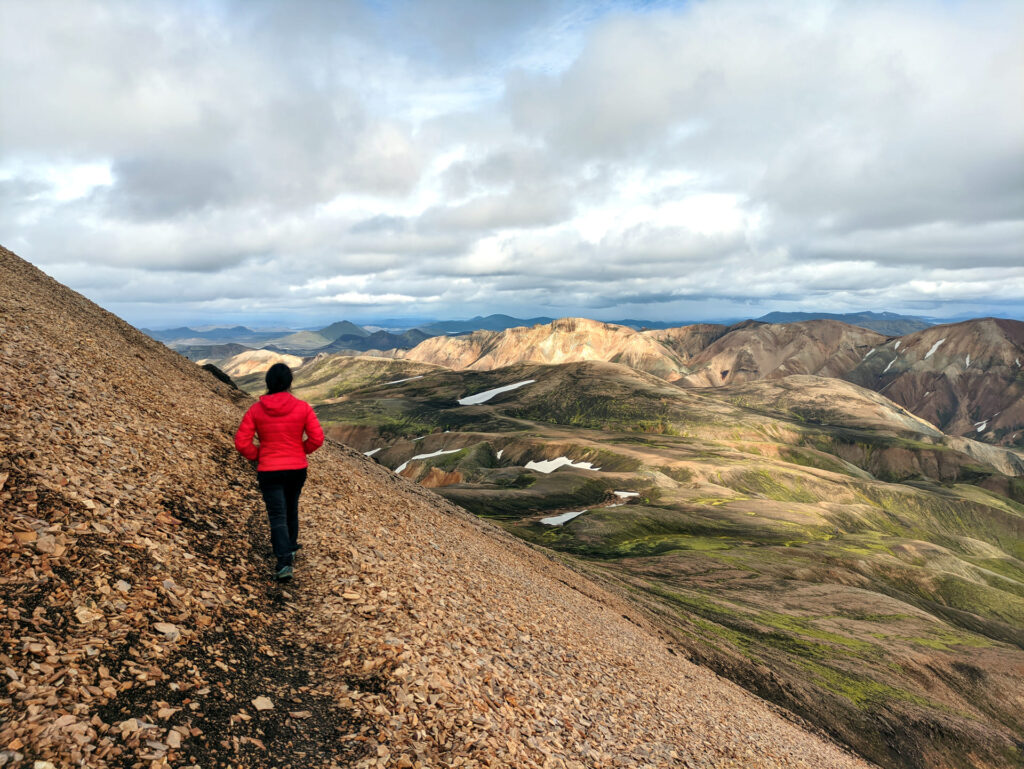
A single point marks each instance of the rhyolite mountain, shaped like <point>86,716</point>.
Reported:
<point>251,362</point>
<point>771,351</point>
<point>561,341</point>
<point>971,384</point>
<point>966,378</point>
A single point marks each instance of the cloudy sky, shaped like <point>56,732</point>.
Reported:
<point>298,162</point>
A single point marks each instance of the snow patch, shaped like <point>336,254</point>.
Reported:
<point>626,494</point>
<point>399,381</point>
<point>935,347</point>
<point>897,345</point>
<point>550,465</point>
<point>968,359</point>
<point>486,395</point>
<point>889,366</point>
<point>404,465</point>
<point>869,354</point>
<point>558,520</point>
<point>371,452</point>
<point>980,426</point>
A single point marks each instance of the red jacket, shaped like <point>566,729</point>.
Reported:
<point>279,421</point>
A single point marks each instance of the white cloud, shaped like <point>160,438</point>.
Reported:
<point>542,157</point>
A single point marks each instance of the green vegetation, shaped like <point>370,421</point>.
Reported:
<point>849,595</point>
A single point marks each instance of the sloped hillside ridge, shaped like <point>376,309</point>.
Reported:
<point>967,378</point>
<point>566,340</point>
<point>770,351</point>
<point>138,628</point>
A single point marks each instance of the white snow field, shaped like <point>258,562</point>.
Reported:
<point>399,381</point>
<point>486,395</point>
<point>935,347</point>
<point>558,520</point>
<point>404,465</point>
<point>371,452</point>
<point>626,494</point>
<point>550,465</point>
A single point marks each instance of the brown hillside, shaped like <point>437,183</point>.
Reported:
<point>567,340</point>
<point>688,341</point>
<point>772,351</point>
<point>138,627</point>
<point>966,378</point>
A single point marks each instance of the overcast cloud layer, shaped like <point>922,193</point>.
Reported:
<point>310,161</point>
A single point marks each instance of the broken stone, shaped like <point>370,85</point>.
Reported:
<point>262,703</point>
<point>86,615</point>
<point>25,537</point>
<point>169,631</point>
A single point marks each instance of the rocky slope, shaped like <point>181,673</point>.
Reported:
<point>966,378</point>
<point>562,341</point>
<point>755,351</point>
<point>138,628</point>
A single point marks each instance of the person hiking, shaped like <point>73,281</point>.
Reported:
<point>279,420</point>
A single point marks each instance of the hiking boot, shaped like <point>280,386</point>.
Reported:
<point>284,573</point>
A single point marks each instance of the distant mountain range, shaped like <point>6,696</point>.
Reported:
<point>888,323</point>
<point>345,334</point>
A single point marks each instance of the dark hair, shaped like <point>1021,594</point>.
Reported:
<point>279,378</point>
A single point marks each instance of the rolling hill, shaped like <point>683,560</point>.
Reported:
<point>806,537</point>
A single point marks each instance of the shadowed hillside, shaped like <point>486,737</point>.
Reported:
<point>139,628</point>
<point>762,351</point>
<point>966,378</point>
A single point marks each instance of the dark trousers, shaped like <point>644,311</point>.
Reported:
<point>281,489</point>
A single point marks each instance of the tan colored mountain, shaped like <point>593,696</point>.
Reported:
<point>771,351</point>
<point>138,626</point>
<point>688,341</point>
<point>966,378</point>
<point>251,362</point>
<point>564,341</point>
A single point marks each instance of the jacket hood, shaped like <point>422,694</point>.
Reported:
<point>279,404</point>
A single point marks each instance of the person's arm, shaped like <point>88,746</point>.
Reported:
<point>244,435</point>
<point>314,433</point>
